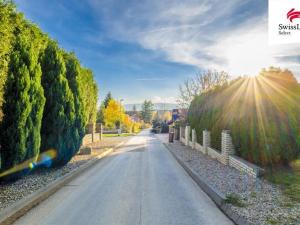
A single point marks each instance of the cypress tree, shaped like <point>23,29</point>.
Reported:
<point>74,79</point>
<point>23,107</point>
<point>7,26</point>
<point>107,99</point>
<point>59,114</point>
<point>89,92</point>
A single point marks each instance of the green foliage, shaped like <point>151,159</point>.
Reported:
<point>100,115</point>
<point>23,108</point>
<point>58,128</point>
<point>33,67</point>
<point>89,93</point>
<point>74,80</point>
<point>7,27</point>
<point>146,113</point>
<point>288,178</point>
<point>107,99</point>
<point>262,114</point>
<point>235,200</point>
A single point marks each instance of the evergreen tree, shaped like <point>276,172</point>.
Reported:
<point>89,92</point>
<point>107,99</point>
<point>23,108</point>
<point>100,114</point>
<point>74,80</point>
<point>147,109</point>
<point>7,26</point>
<point>59,114</point>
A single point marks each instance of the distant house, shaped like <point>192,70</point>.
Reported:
<point>134,116</point>
<point>179,114</point>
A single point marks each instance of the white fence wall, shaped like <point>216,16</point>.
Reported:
<point>226,156</point>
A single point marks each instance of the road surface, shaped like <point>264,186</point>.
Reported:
<point>140,184</point>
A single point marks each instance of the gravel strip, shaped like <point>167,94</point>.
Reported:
<point>13,192</point>
<point>263,202</point>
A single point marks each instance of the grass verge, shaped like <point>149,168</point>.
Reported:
<point>117,135</point>
<point>235,200</point>
<point>288,178</point>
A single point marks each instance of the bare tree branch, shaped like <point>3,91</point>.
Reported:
<point>202,82</point>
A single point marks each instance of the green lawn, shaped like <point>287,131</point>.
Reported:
<point>289,178</point>
<point>117,135</point>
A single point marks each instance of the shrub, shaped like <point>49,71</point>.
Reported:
<point>136,127</point>
<point>262,114</point>
<point>59,114</point>
<point>23,108</point>
<point>235,200</point>
<point>74,79</point>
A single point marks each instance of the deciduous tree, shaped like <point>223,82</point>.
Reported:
<point>113,113</point>
<point>202,82</point>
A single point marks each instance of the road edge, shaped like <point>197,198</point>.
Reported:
<point>10,214</point>
<point>216,197</point>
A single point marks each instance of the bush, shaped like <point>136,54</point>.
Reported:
<point>23,109</point>
<point>32,68</point>
<point>262,114</point>
<point>136,127</point>
<point>58,125</point>
<point>73,75</point>
<point>234,199</point>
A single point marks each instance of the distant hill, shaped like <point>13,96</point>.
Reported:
<point>157,106</point>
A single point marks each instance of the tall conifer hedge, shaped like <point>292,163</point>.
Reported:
<point>46,97</point>
<point>59,114</point>
<point>74,77</point>
<point>23,107</point>
<point>262,114</point>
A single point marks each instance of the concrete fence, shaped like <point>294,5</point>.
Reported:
<point>225,156</point>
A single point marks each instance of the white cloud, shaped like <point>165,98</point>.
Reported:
<point>192,32</point>
<point>246,50</point>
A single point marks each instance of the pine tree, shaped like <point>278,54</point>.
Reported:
<point>59,114</point>
<point>147,109</point>
<point>23,108</point>
<point>100,114</point>
<point>107,99</point>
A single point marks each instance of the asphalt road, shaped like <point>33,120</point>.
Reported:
<point>140,184</point>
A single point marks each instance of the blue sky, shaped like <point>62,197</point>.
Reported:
<point>145,49</point>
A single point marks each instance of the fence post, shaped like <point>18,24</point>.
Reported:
<point>193,138</point>
<point>180,134</point>
<point>187,135</point>
<point>175,133</point>
<point>101,131</point>
<point>227,146</point>
<point>91,130</point>
<point>206,140</point>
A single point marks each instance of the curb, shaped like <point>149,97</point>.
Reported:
<point>10,214</point>
<point>217,197</point>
